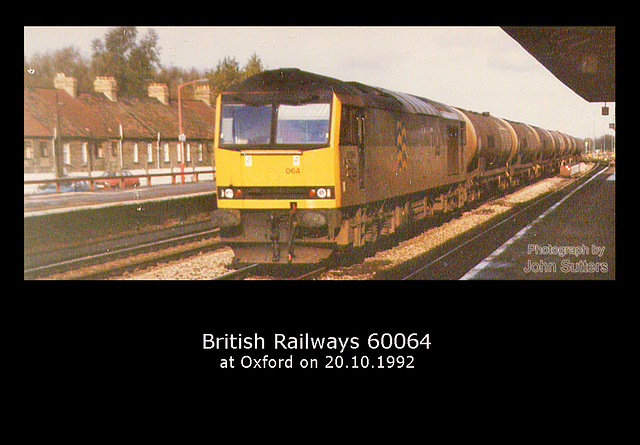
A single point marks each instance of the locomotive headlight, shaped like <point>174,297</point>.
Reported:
<point>320,192</point>
<point>228,193</point>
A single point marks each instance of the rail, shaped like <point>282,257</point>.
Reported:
<point>153,246</point>
<point>238,274</point>
<point>92,179</point>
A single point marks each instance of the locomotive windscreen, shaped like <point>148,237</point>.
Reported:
<point>303,124</point>
<point>245,124</point>
<point>267,126</point>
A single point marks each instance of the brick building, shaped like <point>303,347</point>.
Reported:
<point>67,133</point>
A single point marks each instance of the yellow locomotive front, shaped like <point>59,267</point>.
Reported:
<point>275,154</point>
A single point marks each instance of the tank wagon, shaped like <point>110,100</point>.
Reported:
<point>307,164</point>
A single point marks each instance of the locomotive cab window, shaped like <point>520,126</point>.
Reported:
<point>352,126</point>
<point>352,133</point>
<point>245,124</point>
<point>303,124</point>
<point>258,122</point>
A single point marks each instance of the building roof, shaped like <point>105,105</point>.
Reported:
<point>198,119</point>
<point>582,57</point>
<point>33,128</point>
<point>93,115</point>
<point>113,115</point>
<point>156,116</point>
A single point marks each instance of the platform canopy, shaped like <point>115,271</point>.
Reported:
<point>581,57</point>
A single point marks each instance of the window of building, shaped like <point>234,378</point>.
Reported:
<point>165,151</point>
<point>28,150</point>
<point>99,151</point>
<point>135,153</point>
<point>149,153</point>
<point>44,149</point>
<point>66,154</point>
<point>85,153</point>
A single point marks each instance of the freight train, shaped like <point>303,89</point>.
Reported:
<point>307,164</point>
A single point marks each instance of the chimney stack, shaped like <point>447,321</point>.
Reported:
<point>203,93</point>
<point>106,85</point>
<point>69,84</point>
<point>160,91</point>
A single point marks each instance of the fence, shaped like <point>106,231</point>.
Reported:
<point>120,178</point>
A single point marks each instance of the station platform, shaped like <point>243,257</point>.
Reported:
<point>572,240</point>
<point>45,204</point>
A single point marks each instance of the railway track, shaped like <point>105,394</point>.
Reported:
<point>238,274</point>
<point>264,270</point>
<point>117,260</point>
<point>339,267</point>
<point>455,258</point>
<point>111,259</point>
<point>434,263</point>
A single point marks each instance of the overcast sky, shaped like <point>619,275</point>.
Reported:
<point>477,68</point>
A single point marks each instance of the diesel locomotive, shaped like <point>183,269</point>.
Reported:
<point>307,164</point>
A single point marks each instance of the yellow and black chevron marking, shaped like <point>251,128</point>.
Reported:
<point>401,145</point>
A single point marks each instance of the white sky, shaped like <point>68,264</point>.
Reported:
<point>477,68</point>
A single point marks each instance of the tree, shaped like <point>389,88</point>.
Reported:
<point>227,73</point>
<point>605,142</point>
<point>173,76</point>
<point>253,66</point>
<point>135,63</point>
<point>132,64</point>
<point>42,68</point>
